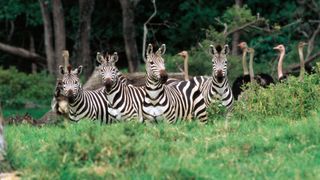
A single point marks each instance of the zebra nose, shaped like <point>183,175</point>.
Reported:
<point>108,82</point>
<point>163,76</point>
<point>69,92</point>
<point>219,73</point>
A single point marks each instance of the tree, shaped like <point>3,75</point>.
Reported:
<point>129,34</point>
<point>47,36</point>
<point>236,35</point>
<point>53,54</point>
<point>59,33</point>
<point>82,44</point>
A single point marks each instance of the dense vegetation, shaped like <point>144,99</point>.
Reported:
<point>273,133</point>
<point>18,89</point>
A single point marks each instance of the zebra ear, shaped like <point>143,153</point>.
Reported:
<point>78,70</point>
<point>212,50</point>
<point>100,58</point>
<point>114,57</point>
<point>226,49</point>
<point>149,49</point>
<point>61,70</point>
<point>161,50</point>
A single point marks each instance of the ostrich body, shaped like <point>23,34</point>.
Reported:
<point>245,78</point>
<point>262,79</point>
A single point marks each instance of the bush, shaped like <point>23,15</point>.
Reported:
<point>293,99</point>
<point>17,89</point>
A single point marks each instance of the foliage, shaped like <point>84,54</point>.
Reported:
<point>276,148</point>
<point>13,9</point>
<point>17,89</point>
<point>293,99</point>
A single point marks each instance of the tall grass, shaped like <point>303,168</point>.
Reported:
<point>275,148</point>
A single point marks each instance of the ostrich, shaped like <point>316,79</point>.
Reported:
<point>262,79</point>
<point>282,52</point>
<point>185,56</point>
<point>303,66</point>
<point>245,78</point>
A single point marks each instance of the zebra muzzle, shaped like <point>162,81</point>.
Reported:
<point>108,83</point>
<point>163,76</point>
<point>220,76</point>
<point>69,93</point>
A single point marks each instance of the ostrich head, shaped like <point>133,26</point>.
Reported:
<point>243,45</point>
<point>183,54</point>
<point>280,48</point>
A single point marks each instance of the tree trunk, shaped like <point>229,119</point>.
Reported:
<point>48,37</point>
<point>129,34</point>
<point>22,53</point>
<point>2,141</point>
<point>82,48</point>
<point>236,35</point>
<point>59,33</point>
<point>32,49</point>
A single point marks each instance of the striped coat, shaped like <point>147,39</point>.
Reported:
<point>178,101</point>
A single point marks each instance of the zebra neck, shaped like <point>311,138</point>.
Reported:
<point>76,101</point>
<point>220,87</point>
<point>114,91</point>
<point>154,88</point>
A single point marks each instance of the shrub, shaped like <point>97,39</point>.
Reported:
<point>17,88</point>
<point>293,99</point>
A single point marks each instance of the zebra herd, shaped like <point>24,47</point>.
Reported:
<point>160,99</point>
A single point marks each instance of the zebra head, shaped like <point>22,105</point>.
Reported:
<point>108,70</point>
<point>155,67</point>
<point>71,85</point>
<point>219,62</point>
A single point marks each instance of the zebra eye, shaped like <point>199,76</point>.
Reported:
<point>151,62</point>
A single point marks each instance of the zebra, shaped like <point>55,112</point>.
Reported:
<point>91,104</point>
<point>124,101</point>
<point>216,87</point>
<point>178,100</point>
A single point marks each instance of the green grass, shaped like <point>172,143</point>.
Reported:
<point>275,148</point>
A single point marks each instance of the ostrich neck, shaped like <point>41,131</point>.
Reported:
<point>302,69</point>
<point>251,66</point>
<point>280,73</point>
<point>244,63</point>
<point>186,72</point>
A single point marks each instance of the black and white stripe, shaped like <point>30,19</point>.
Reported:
<point>91,104</point>
<point>124,101</point>
<point>216,87</point>
<point>181,100</point>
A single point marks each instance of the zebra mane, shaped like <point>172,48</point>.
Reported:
<point>69,68</point>
<point>219,48</point>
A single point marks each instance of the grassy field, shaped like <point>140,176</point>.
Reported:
<point>273,148</point>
